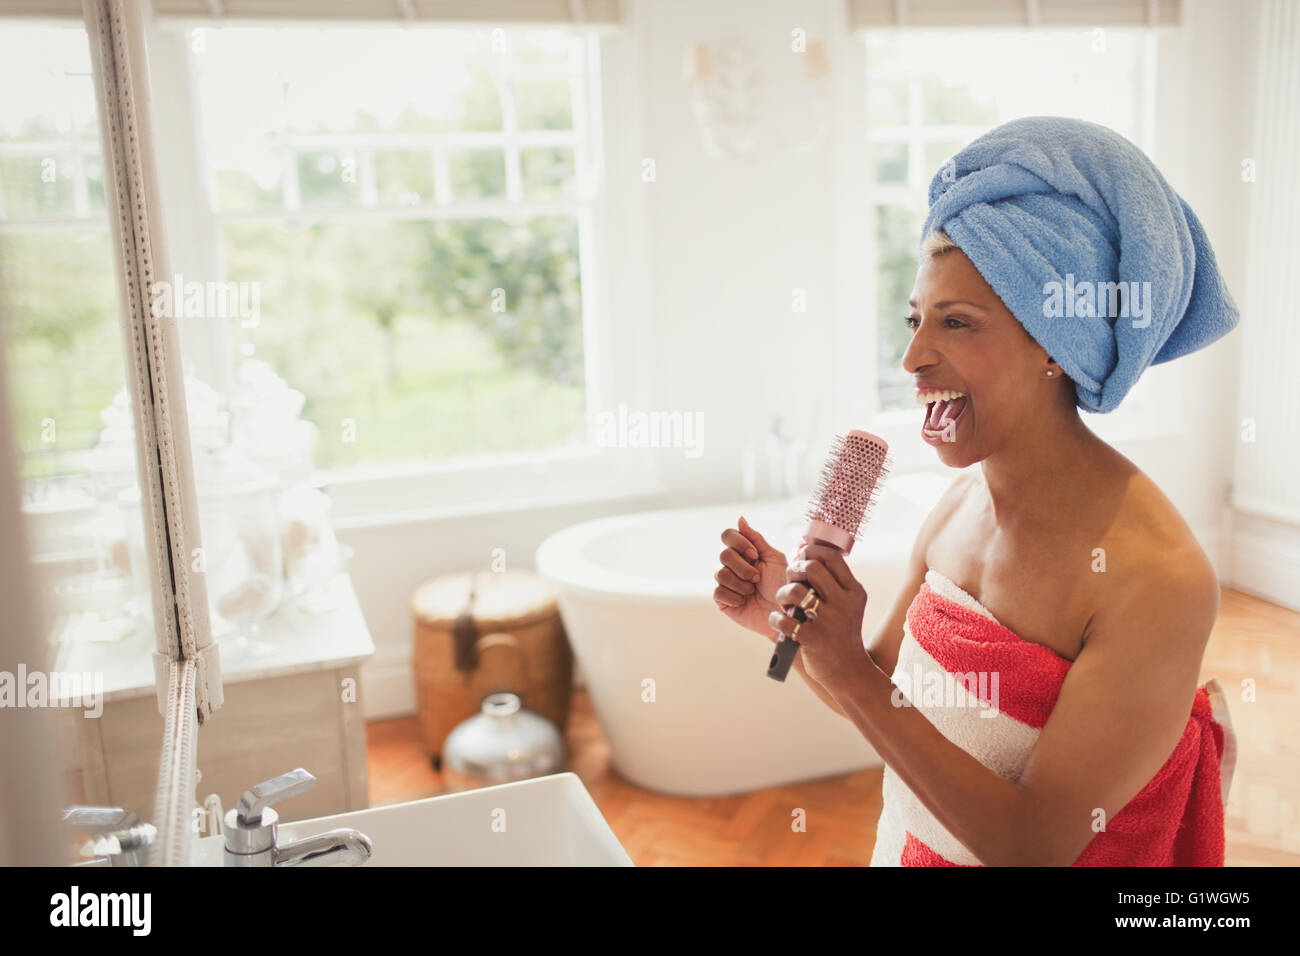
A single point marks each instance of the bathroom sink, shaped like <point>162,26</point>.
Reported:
<point>543,821</point>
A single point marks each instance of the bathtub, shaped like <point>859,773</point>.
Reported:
<point>636,595</point>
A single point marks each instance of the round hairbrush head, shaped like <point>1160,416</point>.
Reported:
<point>855,467</point>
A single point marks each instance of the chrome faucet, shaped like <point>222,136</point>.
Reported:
<point>250,831</point>
<point>117,837</point>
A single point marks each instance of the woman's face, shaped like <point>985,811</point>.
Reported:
<point>965,340</point>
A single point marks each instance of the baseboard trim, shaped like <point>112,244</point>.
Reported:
<point>1265,560</point>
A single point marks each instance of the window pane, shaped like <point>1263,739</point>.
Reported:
<point>65,344</point>
<point>422,339</point>
<point>897,234</point>
<point>964,100</point>
<point>543,50</point>
<point>410,338</point>
<point>404,177</point>
<point>477,173</point>
<point>94,171</point>
<point>328,177</point>
<point>887,101</point>
<point>251,180</point>
<point>477,107</point>
<point>544,104</point>
<point>256,81</point>
<point>547,173</point>
<point>37,187</point>
<point>890,161</point>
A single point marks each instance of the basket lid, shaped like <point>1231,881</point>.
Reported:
<point>502,600</point>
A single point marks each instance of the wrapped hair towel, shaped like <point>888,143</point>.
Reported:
<point>1078,233</point>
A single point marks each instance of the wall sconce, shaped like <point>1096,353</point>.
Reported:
<point>726,99</point>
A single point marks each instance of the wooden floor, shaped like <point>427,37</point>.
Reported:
<point>1252,640</point>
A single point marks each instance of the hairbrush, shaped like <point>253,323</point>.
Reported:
<point>847,489</point>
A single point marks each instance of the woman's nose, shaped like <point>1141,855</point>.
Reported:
<point>918,354</point>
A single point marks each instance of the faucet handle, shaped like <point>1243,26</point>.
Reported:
<point>256,799</point>
<point>117,836</point>
<point>83,819</point>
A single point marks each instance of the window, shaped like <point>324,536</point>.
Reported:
<point>930,92</point>
<point>63,343</point>
<point>64,339</point>
<point>410,206</point>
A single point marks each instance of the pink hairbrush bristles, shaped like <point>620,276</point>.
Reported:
<point>855,468</point>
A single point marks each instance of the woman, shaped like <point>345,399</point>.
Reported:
<point>1058,553</point>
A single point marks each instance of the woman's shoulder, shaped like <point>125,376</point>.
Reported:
<point>1155,549</point>
<point>1157,578</point>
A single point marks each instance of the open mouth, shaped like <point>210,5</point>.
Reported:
<point>943,410</point>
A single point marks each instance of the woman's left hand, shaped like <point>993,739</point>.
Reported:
<point>831,643</point>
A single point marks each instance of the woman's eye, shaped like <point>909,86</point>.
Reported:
<point>912,322</point>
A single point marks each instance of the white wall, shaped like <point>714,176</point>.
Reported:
<point>1264,557</point>
<point>1204,128</point>
<point>718,248</point>
<point>730,241</point>
<point>709,277</point>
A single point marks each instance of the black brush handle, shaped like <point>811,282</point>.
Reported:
<point>786,649</point>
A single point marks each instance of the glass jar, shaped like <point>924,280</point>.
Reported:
<point>241,552</point>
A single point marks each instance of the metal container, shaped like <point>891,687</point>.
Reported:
<point>503,742</point>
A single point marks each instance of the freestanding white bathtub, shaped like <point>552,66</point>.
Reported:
<point>636,596</point>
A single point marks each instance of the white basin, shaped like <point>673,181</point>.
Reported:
<point>543,821</point>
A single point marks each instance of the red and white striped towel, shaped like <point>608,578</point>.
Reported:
<point>1176,820</point>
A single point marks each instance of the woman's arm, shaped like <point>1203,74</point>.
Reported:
<point>1138,669</point>
<point>817,688</point>
<point>1124,704</point>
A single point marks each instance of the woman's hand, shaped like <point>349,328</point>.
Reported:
<point>830,643</point>
<point>752,571</point>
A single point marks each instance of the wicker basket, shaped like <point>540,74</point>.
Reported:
<point>509,637</point>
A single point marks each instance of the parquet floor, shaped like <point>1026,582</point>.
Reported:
<point>1252,641</point>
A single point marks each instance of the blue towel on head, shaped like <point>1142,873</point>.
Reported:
<point>1078,233</point>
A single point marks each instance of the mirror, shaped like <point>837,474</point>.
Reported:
<point>72,418</point>
<point>312,239</point>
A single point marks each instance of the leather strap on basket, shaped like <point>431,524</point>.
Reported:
<point>503,639</point>
<point>464,633</point>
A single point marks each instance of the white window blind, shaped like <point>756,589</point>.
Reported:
<point>537,12</point>
<point>951,14</point>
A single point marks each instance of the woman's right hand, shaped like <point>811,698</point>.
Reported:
<point>751,574</point>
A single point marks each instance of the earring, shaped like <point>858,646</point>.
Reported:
<point>1049,371</point>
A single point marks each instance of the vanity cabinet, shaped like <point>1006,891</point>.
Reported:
<point>297,706</point>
